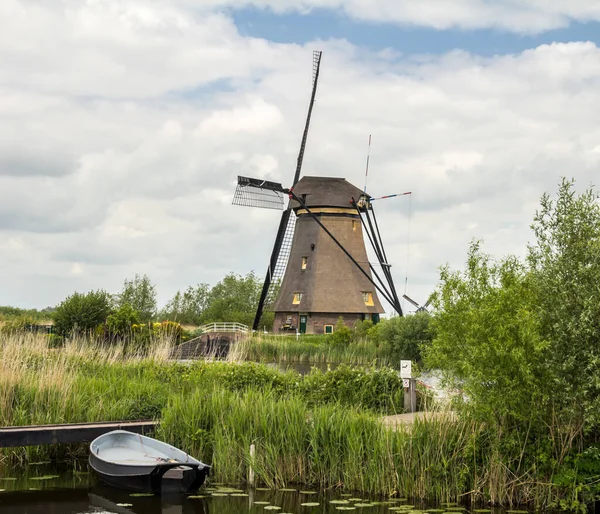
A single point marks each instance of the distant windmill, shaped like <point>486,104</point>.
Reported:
<point>419,307</point>
<point>319,257</point>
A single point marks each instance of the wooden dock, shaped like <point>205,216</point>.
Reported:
<point>37,435</point>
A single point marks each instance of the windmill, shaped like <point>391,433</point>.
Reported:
<point>319,255</point>
<point>420,308</point>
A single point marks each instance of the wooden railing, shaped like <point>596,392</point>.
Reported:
<point>225,326</point>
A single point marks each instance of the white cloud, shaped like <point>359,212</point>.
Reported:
<point>523,16</point>
<point>123,126</point>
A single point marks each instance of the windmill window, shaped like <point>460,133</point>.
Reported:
<point>297,298</point>
<point>368,298</point>
<point>328,329</point>
<point>304,262</point>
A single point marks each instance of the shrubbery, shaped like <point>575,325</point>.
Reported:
<point>82,313</point>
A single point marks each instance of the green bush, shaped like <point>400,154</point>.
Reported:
<point>55,341</point>
<point>82,313</point>
<point>20,323</point>
<point>119,323</point>
<point>342,335</point>
<point>407,336</point>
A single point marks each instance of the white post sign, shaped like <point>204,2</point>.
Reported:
<point>405,369</point>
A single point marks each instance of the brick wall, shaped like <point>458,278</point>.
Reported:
<point>316,321</point>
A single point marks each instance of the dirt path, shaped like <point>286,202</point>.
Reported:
<point>409,418</point>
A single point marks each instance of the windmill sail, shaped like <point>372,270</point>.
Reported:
<point>282,261</point>
<point>287,215</point>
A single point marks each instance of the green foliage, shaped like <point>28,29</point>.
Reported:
<point>55,341</point>
<point>362,329</point>
<point>7,313</point>
<point>119,323</point>
<point>342,335</point>
<point>314,349</point>
<point>522,341</point>
<point>487,340</point>
<point>377,389</point>
<point>140,294</point>
<point>81,313</point>
<point>234,299</point>
<point>565,268</point>
<point>189,306</point>
<point>19,323</point>
<point>407,336</point>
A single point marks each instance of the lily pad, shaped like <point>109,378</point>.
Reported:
<point>138,495</point>
<point>310,504</point>
<point>263,488</point>
<point>346,508</point>
<point>196,497</point>
<point>308,492</point>
<point>272,507</point>
<point>219,494</point>
<point>45,477</point>
<point>288,490</point>
<point>364,505</point>
<point>261,503</point>
<point>125,504</point>
<point>239,495</point>
<point>340,502</point>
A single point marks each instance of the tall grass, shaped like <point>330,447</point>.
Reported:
<point>314,349</point>
<point>321,430</point>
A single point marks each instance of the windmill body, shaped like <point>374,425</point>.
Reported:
<point>327,273</point>
<point>320,283</point>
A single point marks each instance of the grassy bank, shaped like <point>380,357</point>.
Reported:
<point>321,430</point>
<point>315,349</point>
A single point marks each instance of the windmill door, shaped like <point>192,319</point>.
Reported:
<point>303,318</point>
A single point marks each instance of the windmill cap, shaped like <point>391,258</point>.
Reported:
<point>325,192</point>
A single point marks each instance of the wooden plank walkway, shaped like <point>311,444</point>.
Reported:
<point>37,435</point>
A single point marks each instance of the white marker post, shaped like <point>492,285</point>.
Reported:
<point>410,392</point>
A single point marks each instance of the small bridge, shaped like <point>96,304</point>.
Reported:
<point>225,327</point>
<point>215,341</point>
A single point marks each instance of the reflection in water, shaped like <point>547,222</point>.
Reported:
<point>33,491</point>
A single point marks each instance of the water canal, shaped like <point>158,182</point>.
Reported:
<point>43,490</point>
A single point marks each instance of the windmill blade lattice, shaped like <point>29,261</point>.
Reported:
<point>257,193</point>
<point>282,260</point>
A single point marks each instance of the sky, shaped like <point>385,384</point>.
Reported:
<point>125,123</point>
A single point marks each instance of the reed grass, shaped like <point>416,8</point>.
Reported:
<point>323,430</point>
<point>314,349</point>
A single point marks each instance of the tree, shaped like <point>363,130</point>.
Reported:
<point>119,323</point>
<point>189,306</point>
<point>140,294</point>
<point>235,299</point>
<point>523,337</point>
<point>487,340</point>
<point>82,313</point>
<point>565,266</point>
<point>407,336</point>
